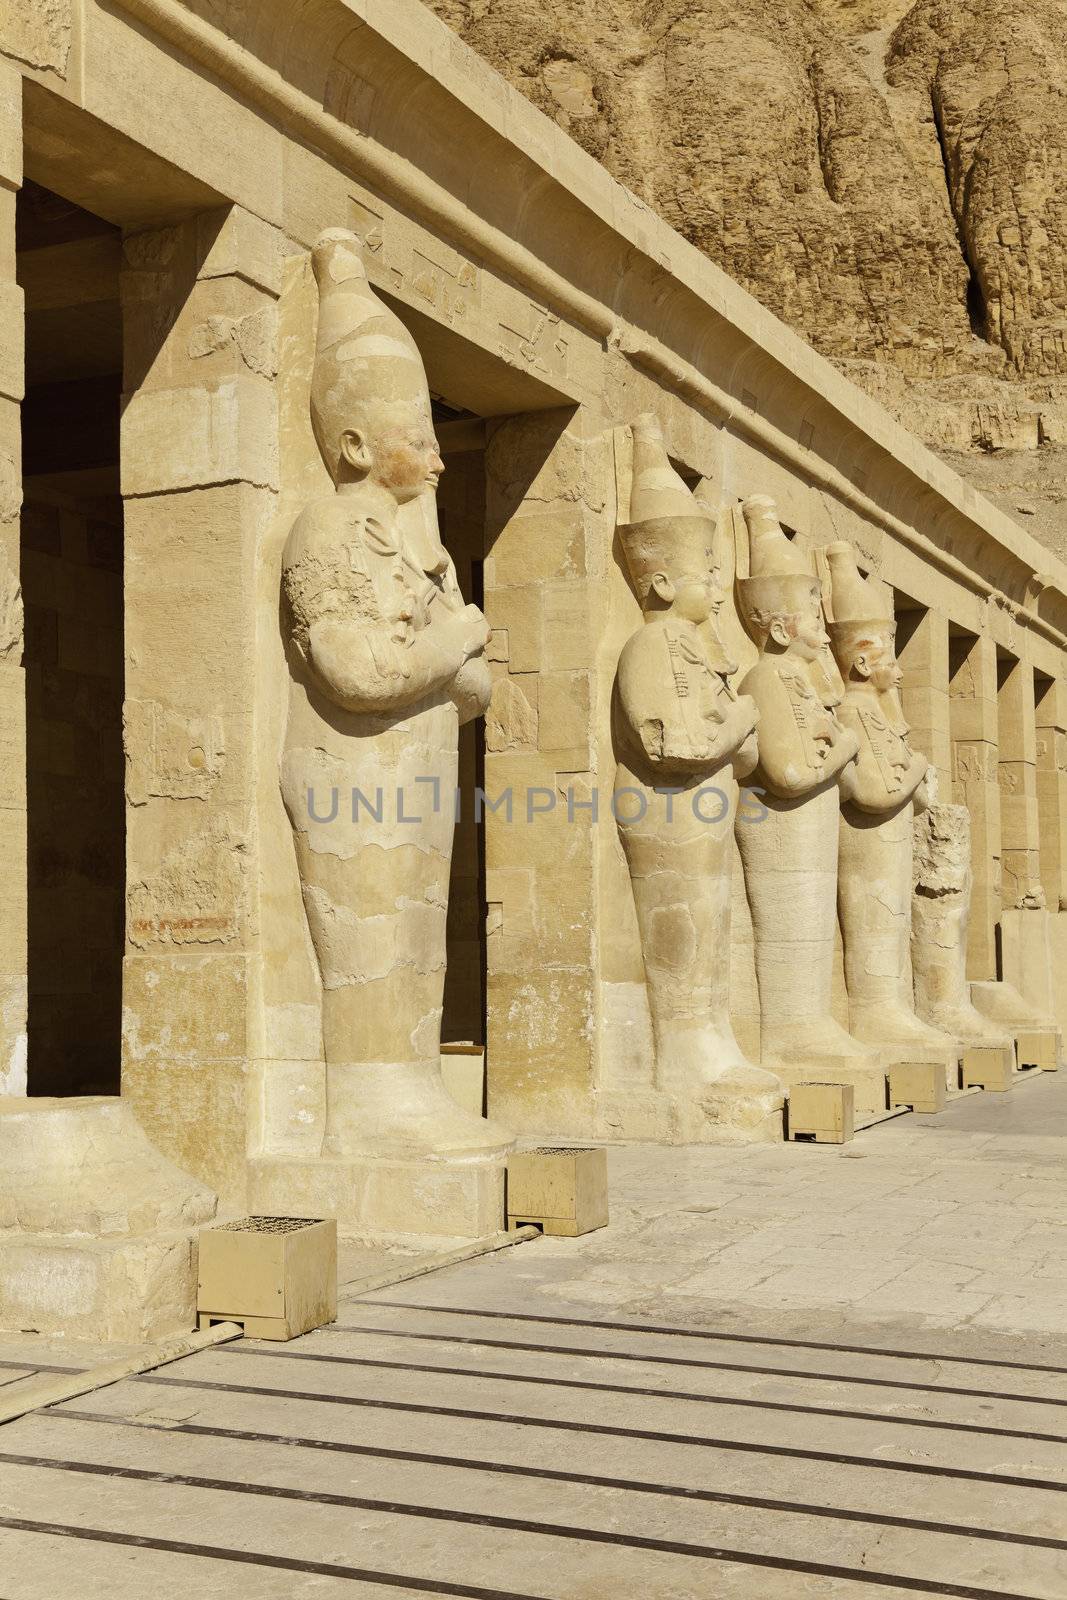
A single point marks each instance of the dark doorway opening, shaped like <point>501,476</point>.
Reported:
<point>71,553</point>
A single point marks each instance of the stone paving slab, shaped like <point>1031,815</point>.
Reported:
<point>781,1373</point>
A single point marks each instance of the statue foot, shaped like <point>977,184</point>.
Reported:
<point>887,1025</point>
<point>690,1059</point>
<point>85,1166</point>
<point>403,1111</point>
<point>713,1086</point>
<point>1006,1008</point>
<point>743,1082</point>
<point>816,1044</point>
<point>969,1026</point>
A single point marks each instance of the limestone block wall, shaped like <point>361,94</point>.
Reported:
<point>550,517</point>
<point>199,481</point>
<point>974,728</point>
<point>1017,777</point>
<point>923,654</point>
<point>1051,749</point>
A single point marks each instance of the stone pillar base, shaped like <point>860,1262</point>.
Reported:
<point>459,1199</point>
<point>132,1291</point>
<point>655,1117</point>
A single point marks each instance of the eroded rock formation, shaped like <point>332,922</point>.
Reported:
<point>888,178</point>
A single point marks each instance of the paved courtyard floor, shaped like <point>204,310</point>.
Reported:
<point>782,1373</point>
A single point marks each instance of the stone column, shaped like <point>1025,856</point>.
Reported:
<point>1017,775</point>
<point>12,676</point>
<point>922,653</point>
<point>549,531</point>
<point>973,726</point>
<point>1051,720</point>
<point>199,452</point>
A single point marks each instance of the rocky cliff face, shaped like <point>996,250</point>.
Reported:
<point>888,177</point>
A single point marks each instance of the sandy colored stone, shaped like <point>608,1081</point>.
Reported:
<point>879,795</point>
<point>679,725</point>
<point>790,856</point>
<point>385,661</point>
<point>874,174</point>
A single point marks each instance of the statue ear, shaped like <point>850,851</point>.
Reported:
<point>662,586</point>
<point>861,665</point>
<point>779,631</point>
<point>355,450</point>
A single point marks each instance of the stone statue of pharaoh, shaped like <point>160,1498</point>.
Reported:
<point>385,659</point>
<point>879,795</point>
<point>791,857</point>
<point>683,739</point>
<point>939,915</point>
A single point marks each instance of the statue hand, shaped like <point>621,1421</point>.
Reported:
<point>748,714</point>
<point>468,631</point>
<point>847,744</point>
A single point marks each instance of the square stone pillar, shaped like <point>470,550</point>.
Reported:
<point>922,650</point>
<point>1051,721</point>
<point>1017,775</point>
<point>549,534</point>
<point>199,480</point>
<point>12,676</point>
<point>973,726</point>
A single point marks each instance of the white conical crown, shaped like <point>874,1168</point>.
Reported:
<point>363,352</point>
<point>669,530</point>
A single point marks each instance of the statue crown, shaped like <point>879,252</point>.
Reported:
<point>362,350</point>
<point>863,613</point>
<point>780,582</point>
<point>669,530</point>
<point>852,598</point>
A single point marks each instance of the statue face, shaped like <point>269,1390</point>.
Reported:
<point>810,637</point>
<point>395,447</point>
<point>692,596</point>
<point>880,665</point>
<point>697,597</point>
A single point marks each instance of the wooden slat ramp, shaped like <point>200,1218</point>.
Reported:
<point>428,1448</point>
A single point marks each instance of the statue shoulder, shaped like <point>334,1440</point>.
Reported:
<point>763,680</point>
<point>323,523</point>
<point>854,716</point>
<point>643,647</point>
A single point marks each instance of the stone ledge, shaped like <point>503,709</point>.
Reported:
<point>130,1290</point>
<point>461,1199</point>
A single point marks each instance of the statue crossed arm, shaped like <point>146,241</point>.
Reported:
<point>807,746</point>
<point>675,711</point>
<point>886,772</point>
<point>367,650</point>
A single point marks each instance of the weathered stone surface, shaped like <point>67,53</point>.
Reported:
<point>887,178</point>
<point>38,32</point>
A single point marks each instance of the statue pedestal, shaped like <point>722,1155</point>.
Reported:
<point>657,1117</point>
<point>367,1194</point>
<point>132,1291</point>
<point>946,1061</point>
<point>866,1076</point>
<point>97,1228</point>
